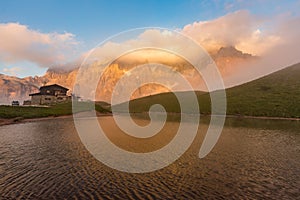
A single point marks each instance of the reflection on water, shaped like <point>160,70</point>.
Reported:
<point>253,159</point>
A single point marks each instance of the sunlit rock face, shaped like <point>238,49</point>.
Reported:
<point>227,59</point>
<point>13,88</point>
<point>63,78</point>
<point>151,62</point>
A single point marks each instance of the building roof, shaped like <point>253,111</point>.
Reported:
<point>34,94</point>
<point>53,85</point>
<point>49,87</point>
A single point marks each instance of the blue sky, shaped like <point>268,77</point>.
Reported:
<point>93,21</point>
<point>97,20</point>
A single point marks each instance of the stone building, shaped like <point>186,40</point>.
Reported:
<point>50,94</point>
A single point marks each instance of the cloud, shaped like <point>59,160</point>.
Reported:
<point>19,43</point>
<point>152,38</point>
<point>286,52</point>
<point>275,39</point>
<point>12,71</point>
<point>240,29</point>
<point>282,53</point>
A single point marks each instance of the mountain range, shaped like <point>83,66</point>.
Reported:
<point>14,88</point>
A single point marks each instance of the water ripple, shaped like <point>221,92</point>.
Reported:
<point>46,160</point>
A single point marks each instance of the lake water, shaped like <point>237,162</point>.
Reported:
<point>253,159</point>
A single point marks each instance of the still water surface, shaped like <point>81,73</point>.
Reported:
<point>253,159</point>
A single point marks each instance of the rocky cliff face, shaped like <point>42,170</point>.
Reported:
<point>13,88</point>
<point>229,58</point>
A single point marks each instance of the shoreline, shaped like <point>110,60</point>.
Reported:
<point>264,117</point>
<point>17,120</point>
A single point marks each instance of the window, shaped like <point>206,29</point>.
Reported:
<point>57,92</point>
<point>48,91</point>
<point>48,99</point>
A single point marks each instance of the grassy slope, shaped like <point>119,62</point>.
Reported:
<point>167,100</point>
<point>56,110</point>
<point>276,95</point>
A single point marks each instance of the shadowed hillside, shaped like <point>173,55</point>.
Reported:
<point>275,95</point>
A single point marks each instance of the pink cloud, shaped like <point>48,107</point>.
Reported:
<point>19,43</point>
<point>240,29</point>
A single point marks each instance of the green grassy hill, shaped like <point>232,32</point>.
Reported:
<point>275,95</point>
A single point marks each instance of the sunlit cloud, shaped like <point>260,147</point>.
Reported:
<point>163,39</point>
<point>273,39</point>
<point>20,43</point>
<point>240,29</point>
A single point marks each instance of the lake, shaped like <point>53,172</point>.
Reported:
<point>253,159</point>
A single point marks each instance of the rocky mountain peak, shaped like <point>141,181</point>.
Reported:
<point>231,51</point>
<point>13,88</point>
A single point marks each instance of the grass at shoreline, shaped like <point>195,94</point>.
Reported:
<point>28,112</point>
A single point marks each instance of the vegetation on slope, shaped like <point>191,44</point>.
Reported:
<point>61,109</point>
<point>275,95</point>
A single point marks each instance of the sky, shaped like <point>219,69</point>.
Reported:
<point>36,35</point>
